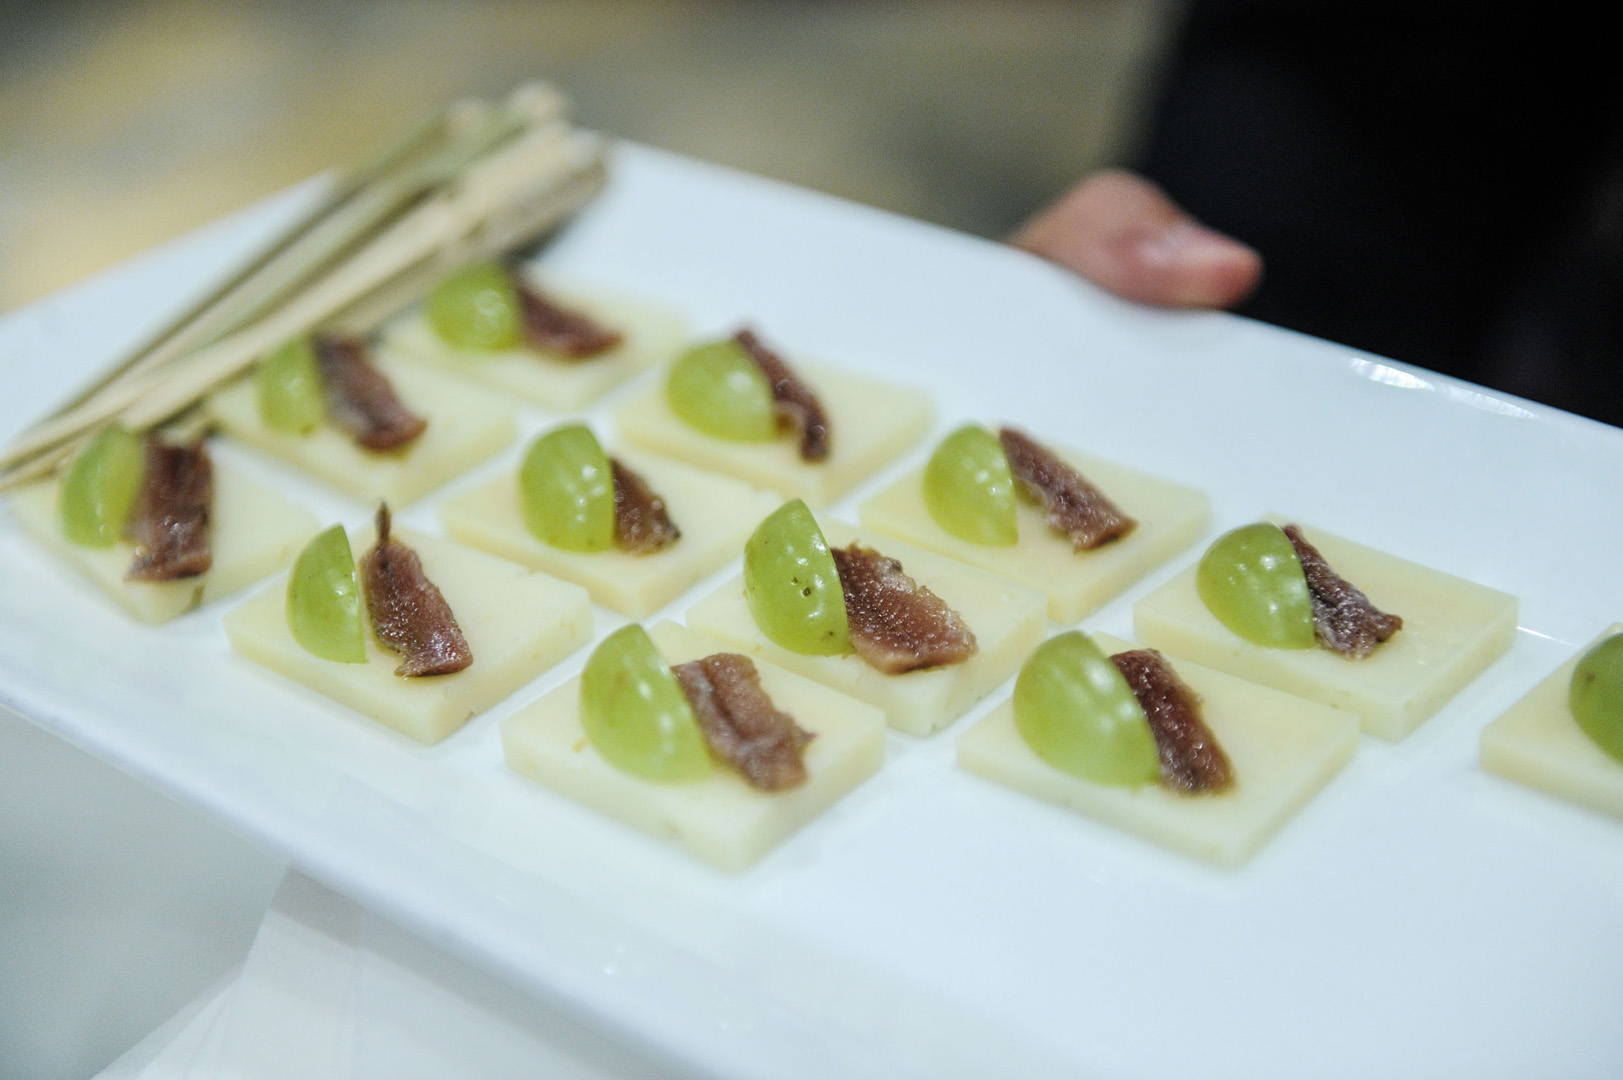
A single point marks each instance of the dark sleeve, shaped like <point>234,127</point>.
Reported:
<point>1411,174</point>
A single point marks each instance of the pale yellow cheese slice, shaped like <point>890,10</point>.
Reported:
<point>720,818</point>
<point>517,623</point>
<point>253,532</point>
<point>1008,620</point>
<point>1538,743</point>
<point>466,425</point>
<point>1170,517</point>
<point>1283,751</point>
<point>1452,630</point>
<point>652,335</point>
<point>715,514</point>
<point>870,423</point>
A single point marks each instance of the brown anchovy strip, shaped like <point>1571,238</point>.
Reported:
<point>409,614</point>
<point>170,524</point>
<point>556,329</point>
<point>642,525</point>
<point>797,406</point>
<point>1075,507</point>
<point>359,397</point>
<point>1191,760</point>
<point>740,723</point>
<point>896,624</point>
<point>1344,620</point>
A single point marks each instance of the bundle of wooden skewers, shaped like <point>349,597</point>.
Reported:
<point>477,181</point>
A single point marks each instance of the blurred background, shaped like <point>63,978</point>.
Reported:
<point>123,124</point>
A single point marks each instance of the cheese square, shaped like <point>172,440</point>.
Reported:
<point>517,623</point>
<point>253,532</point>
<point>1007,619</point>
<point>1452,630</point>
<point>1283,751</point>
<point>466,425</point>
<point>652,335</point>
<point>715,514</point>
<point>721,818</point>
<point>1538,743</point>
<point>870,423</point>
<point>1170,517</point>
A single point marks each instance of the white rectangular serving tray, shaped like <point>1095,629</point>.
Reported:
<point>1420,918</point>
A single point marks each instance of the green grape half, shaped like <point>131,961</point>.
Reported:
<point>969,489</point>
<point>635,713</point>
<point>1252,581</point>
<point>289,387</point>
<point>1596,695</point>
<point>477,308</point>
<point>566,490</point>
<point>720,390</point>
<point>101,487</point>
<point>324,600</point>
<point>792,585</point>
<point>1076,712</point>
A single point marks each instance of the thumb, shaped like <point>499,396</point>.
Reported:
<point>1124,234</point>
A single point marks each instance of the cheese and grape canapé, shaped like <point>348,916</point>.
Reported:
<point>1271,587</point>
<point>819,601</point>
<point>742,390</point>
<point>575,497</point>
<point>493,307</point>
<point>669,725</point>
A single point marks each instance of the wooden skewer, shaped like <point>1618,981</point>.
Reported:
<point>301,257</point>
<point>192,326</point>
<point>502,180</point>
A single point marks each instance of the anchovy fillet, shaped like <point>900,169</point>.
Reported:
<point>170,523</point>
<point>741,725</point>
<point>408,612</point>
<point>359,398</point>
<point>1191,759</point>
<point>642,525</point>
<point>896,624</point>
<point>553,328</point>
<point>797,406</point>
<point>1075,507</point>
<point>1344,620</point>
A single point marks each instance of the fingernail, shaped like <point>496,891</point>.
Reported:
<point>1186,242</point>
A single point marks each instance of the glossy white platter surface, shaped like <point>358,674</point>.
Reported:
<point>1419,918</point>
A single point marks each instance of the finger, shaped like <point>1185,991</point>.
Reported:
<point>1125,235</point>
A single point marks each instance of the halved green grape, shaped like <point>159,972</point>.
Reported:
<point>324,600</point>
<point>1596,695</point>
<point>477,308</point>
<point>635,713</point>
<point>101,487</point>
<point>721,391</point>
<point>792,585</point>
<point>290,391</point>
<point>1076,712</point>
<point>566,490</point>
<point>969,489</point>
<point>1252,581</point>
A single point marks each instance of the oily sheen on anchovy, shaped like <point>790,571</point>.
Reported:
<point>642,525</point>
<point>408,612</point>
<point>170,523</point>
<point>1191,759</point>
<point>896,624</point>
<point>359,398</point>
<point>741,725</point>
<point>1075,507</point>
<point>1344,621</point>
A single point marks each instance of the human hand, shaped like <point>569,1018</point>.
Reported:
<point>1124,234</point>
